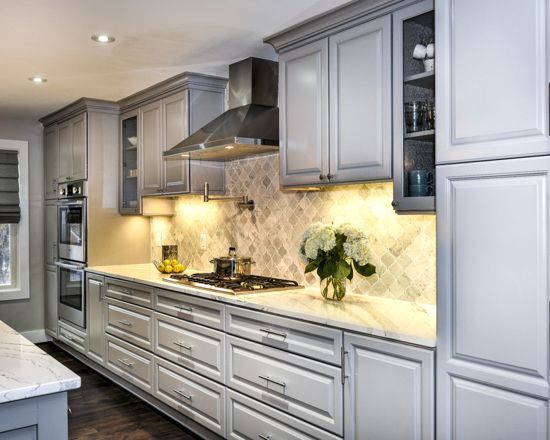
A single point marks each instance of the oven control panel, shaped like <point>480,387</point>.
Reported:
<point>73,189</point>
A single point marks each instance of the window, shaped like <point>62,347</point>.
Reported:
<point>14,220</point>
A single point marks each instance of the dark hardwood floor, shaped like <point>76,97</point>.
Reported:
<point>101,409</point>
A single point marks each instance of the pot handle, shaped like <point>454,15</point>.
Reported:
<point>252,262</point>
<point>212,261</point>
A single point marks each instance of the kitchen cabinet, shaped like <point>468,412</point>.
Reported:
<point>50,301</point>
<point>335,107</point>
<point>175,128</point>
<point>413,130</point>
<point>95,317</point>
<point>492,280</point>
<point>50,231</point>
<point>385,379</point>
<point>50,273</point>
<point>73,149</point>
<point>130,202</point>
<point>51,161</point>
<point>492,87</point>
<point>150,148</point>
<point>75,338</point>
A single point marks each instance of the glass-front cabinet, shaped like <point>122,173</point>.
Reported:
<point>414,109</point>
<point>130,202</point>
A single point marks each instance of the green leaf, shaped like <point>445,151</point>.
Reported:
<point>326,269</point>
<point>343,269</point>
<point>350,275</point>
<point>366,270</point>
<point>311,266</point>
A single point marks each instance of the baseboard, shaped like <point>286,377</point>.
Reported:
<point>36,336</point>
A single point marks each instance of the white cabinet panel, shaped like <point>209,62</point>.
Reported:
<point>150,148</point>
<point>483,412</point>
<point>492,79</point>
<point>303,102</point>
<point>360,102</point>
<point>51,162</point>
<point>386,379</point>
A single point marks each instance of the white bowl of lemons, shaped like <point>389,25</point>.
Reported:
<point>169,266</point>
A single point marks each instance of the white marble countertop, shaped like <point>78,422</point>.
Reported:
<point>27,371</point>
<point>404,321</point>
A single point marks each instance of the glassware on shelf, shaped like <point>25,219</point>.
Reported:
<point>414,116</point>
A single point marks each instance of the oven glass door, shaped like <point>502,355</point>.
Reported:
<point>72,230</point>
<point>71,293</point>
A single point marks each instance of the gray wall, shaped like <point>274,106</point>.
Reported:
<point>28,314</point>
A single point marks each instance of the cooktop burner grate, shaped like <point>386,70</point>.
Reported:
<point>246,284</point>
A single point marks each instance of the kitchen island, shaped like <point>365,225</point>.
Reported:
<point>33,390</point>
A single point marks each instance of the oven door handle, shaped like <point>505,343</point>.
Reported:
<point>70,266</point>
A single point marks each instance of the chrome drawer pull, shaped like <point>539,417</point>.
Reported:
<point>275,381</point>
<point>264,437</point>
<point>69,337</point>
<point>270,331</point>
<point>183,308</point>
<point>182,394</point>
<point>126,291</point>
<point>125,322</point>
<point>124,362</point>
<point>183,345</point>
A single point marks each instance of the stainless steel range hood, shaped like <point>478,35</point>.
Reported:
<point>249,127</point>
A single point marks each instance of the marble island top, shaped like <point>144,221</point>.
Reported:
<point>27,371</point>
<point>404,321</point>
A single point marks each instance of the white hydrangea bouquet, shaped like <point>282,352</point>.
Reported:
<point>335,251</point>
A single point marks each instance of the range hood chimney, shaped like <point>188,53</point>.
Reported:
<point>249,127</point>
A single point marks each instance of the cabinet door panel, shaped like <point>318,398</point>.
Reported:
<point>175,129</point>
<point>79,136</point>
<point>150,145</point>
<point>51,302</point>
<point>360,102</point>
<point>51,162</point>
<point>50,230</point>
<point>95,309</point>
<point>65,151</point>
<point>303,99</point>
<point>491,92</point>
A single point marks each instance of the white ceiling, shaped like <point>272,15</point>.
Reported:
<point>155,39</point>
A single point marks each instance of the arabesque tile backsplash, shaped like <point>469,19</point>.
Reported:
<point>402,247</point>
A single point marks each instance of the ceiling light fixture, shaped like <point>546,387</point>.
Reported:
<point>37,79</point>
<point>103,38</point>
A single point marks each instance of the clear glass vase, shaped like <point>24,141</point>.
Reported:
<point>333,288</point>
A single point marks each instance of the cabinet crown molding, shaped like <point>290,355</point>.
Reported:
<point>79,106</point>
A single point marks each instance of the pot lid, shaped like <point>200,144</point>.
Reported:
<point>232,256</point>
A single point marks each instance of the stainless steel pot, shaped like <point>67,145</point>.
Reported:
<point>232,266</point>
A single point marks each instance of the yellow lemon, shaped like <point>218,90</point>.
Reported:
<point>174,262</point>
<point>168,269</point>
<point>161,267</point>
<point>177,268</point>
<point>182,267</point>
<point>166,262</point>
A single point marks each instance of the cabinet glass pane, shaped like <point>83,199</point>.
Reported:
<point>129,163</point>
<point>418,106</point>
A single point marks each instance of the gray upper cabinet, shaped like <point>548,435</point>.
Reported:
<point>389,390</point>
<point>150,148</point>
<point>73,149</point>
<point>303,102</point>
<point>492,283</point>
<point>335,107</point>
<point>175,129</point>
<point>360,102</point>
<point>51,161</point>
<point>492,79</point>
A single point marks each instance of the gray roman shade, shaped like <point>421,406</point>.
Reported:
<point>10,212</point>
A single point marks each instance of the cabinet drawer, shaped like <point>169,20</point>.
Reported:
<point>131,363</point>
<point>73,337</point>
<point>134,293</point>
<point>315,341</point>
<point>302,387</point>
<point>249,419</point>
<point>186,307</point>
<point>194,396</point>
<point>193,346</point>
<point>131,323</point>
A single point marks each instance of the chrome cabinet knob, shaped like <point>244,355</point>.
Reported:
<point>322,177</point>
<point>395,203</point>
<point>330,176</point>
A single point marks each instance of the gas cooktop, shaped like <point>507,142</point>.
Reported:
<point>246,284</point>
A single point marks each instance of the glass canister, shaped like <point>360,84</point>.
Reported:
<point>414,116</point>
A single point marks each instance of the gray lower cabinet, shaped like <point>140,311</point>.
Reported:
<point>493,345</point>
<point>95,317</point>
<point>74,337</point>
<point>132,323</point>
<point>389,390</point>
<point>475,119</point>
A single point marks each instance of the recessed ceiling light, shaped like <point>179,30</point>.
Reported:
<point>37,79</point>
<point>103,38</point>
<point>229,147</point>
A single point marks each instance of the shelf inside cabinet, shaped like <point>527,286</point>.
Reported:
<point>425,80</point>
<point>425,135</point>
<point>131,148</point>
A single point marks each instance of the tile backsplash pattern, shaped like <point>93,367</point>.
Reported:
<point>402,247</point>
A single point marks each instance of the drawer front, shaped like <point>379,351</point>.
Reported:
<point>249,419</point>
<point>134,293</point>
<point>132,323</point>
<point>315,341</point>
<point>296,385</point>
<point>72,337</point>
<point>130,363</point>
<point>183,306</point>
<point>193,346</point>
<point>194,396</point>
